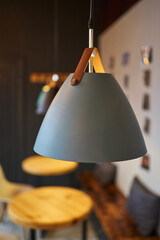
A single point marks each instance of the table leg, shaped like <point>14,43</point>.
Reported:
<point>3,209</point>
<point>40,234</point>
<point>25,233</point>
<point>32,234</point>
<point>84,230</point>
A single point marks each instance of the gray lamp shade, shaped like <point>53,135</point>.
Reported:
<point>90,122</point>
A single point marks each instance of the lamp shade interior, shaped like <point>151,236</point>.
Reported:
<point>90,122</point>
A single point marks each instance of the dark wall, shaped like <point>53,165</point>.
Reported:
<point>26,46</point>
<point>26,40</point>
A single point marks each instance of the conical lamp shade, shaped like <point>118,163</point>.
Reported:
<point>90,122</point>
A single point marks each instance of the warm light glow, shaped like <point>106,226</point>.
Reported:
<point>55,77</point>
<point>46,88</point>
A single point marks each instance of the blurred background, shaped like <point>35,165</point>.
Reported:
<point>39,39</point>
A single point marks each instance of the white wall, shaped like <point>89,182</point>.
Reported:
<point>138,27</point>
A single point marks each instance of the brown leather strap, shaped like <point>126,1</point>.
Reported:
<point>83,64</point>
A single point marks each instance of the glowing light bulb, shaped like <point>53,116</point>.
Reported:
<point>55,77</point>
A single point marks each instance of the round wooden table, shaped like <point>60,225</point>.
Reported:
<point>44,166</point>
<point>49,208</point>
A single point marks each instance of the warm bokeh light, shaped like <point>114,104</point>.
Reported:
<point>46,88</point>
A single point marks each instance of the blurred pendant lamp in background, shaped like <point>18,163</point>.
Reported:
<point>90,119</point>
<point>45,97</point>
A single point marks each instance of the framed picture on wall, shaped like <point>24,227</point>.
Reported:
<point>146,55</point>
<point>146,101</point>
<point>147,125</point>
<point>126,81</point>
<point>147,77</point>
<point>145,163</point>
<point>125,58</point>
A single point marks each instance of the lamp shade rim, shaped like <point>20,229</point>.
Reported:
<point>92,160</point>
<point>94,73</point>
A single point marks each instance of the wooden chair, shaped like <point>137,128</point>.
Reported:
<point>8,236</point>
<point>8,190</point>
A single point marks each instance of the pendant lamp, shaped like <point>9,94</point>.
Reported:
<point>90,119</point>
<point>45,98</point>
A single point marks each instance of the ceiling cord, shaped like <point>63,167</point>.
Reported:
<point>91,22</point>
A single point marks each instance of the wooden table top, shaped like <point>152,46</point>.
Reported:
<point>43,166</point>
<point>8,236</point>
<point>49,208</point>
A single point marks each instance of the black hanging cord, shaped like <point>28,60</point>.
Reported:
<point>90,22</point>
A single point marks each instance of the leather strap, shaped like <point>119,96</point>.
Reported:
<point>97,63</point>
